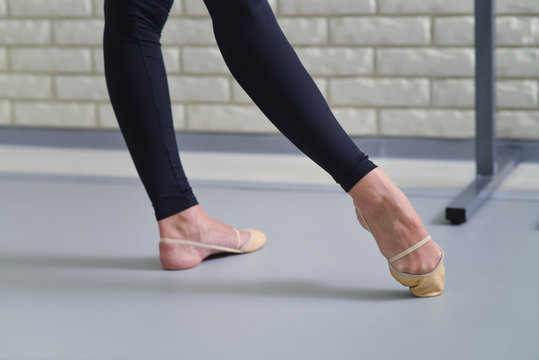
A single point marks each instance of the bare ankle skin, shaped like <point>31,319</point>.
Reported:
<point>394,223</point>
<point>193,224</point>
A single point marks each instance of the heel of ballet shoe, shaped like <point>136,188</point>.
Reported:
<point>425,285</point>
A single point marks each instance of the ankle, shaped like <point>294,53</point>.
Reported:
<point>184,224</point>
<point>372,191</point>
<point>390,215</point>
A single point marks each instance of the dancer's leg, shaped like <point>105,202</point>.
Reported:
<point>265,65</point>
<point>138,90</point>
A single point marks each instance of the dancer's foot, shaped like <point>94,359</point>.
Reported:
<point>394,223</point>
<point>196,225</point>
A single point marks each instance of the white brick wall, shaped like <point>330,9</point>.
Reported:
<point>50,59</point>
<point>438,123</point>
<point>358,122</point>
<point>81,87</point>
<point>22,86</point>
<point>227,118</point>
<point>240,96</point>
<point>78,32</point>
<point>199,88</point>
<point>518,6</point>
<point>50,8</point>
<point>55,114</point>
<point>426,6</point>
<point>5,118</point>
<point>518,62</point>
<point>518,124</point>
<point>187,31</point>
<point>386,67</point>
<point>203,60</point>
<point>510,30</point>
<point>379,92</point>
<point>3,59</point>
<point>461,93</point>
<point>337,60</point>
<point>454,30</point>
<point>22,32</point>
<point>380,30</point>
<point>433,62</point>
<point>197,7</point>
<point>334,7</point>
<point>2,8</point>
<point>305,31</point>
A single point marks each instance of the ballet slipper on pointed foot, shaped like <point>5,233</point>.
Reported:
<point>423,285</point>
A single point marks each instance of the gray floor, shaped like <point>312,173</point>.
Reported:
<point>80,279</point>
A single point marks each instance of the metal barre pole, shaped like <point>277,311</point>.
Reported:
<point>490,168</point>
<point>485,87</point>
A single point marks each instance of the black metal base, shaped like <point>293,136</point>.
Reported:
<point>471,198</point>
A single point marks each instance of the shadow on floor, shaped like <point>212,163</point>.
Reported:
<point>54,272</point>
<point>63,261</point>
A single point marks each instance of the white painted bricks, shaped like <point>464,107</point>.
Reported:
<point>22,86</point>
<point>5,118</point>
<point>310,7</point>
<point>337,60</point>
<point>426,6</point>
<point>51,59</point>
<point>437,123</point>
<point>197,7</point>
<point>305,31</point>
<point>3,59</point>
<point>386,67</point>
<point>187,31</point>
<point>425,61</point>
<point>50,8</point>
<point>203,60</point>
<point>518,6</point>
<point>379,92</point>
<point>227,118</point>
<point>78,32</point>
<point>461,93</point>
<point>510,30</point>
<point>55,114</point>
<point>199,88</point>
<point>23,32</point>
<point>81,87</point>
<point>518,124</point>
<point>381,30</point>
<point>2,8</point>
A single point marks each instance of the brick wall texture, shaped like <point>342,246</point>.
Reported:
<point>386,67</point>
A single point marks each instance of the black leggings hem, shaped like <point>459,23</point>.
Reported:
<point>173,206</point>
<point>362,168</point>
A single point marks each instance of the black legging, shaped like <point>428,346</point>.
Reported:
<point>260,58</point>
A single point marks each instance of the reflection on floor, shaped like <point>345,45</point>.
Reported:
<point>80,278</point>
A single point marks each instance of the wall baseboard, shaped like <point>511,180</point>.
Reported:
<point>256,143</point>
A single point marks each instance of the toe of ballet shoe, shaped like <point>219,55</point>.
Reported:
<point>427,285</point>
<point>257,240</point>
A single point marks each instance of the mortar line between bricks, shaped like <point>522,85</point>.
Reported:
<point>282,15</point>
<point>320,45</point>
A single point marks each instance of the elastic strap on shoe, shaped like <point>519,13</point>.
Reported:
<point>200,245</point>
<point>409,250</point>
<point>365,221</point>
<point>247,243</point>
